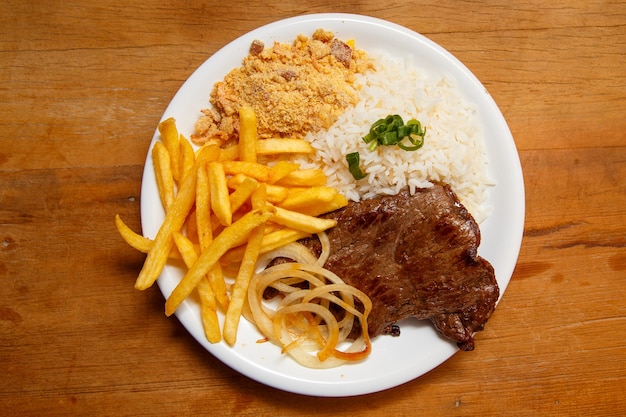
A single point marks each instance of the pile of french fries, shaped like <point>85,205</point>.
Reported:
<point>225,206</point>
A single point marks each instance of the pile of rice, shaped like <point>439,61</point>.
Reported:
<point>453,151</point>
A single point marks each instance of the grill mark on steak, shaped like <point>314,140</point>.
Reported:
<point>415,256</point>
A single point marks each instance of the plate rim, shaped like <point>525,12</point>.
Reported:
<point>270,377</point>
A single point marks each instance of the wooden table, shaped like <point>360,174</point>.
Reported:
<point>83,85</point>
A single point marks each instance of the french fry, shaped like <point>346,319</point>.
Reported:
<point>229,153</point>
<point>303,178</point>
<point>163,174</point>
<point>220,203</point>
<point>300,221</point>
<point>216,278</point>
<point>205,236</point>
<point>208,314</point>
<point>191,227</point>
<point>222,243</point>
<point>236,180</point>
<point>238,198</point>
<point>259,198</point>
<point>316,209</point>
<point>186,248</point>
<point>275,146</point>
<point>169,137</point>
<point>281,169</point>
<point>174,219</point>
<point>271,241</point>
<point>301,198</point>
<point>203,207</point>
<point>206,154</point>
<point>275,193</point>
<point>134,240</point>
<point>281,237</point>
<point>163,242</point>
<point>257,171</point>
<point>137,241</point>
<point>247,134</point>
<point>242,192</point>
<point>246,270</point>
<point>208,307</point>
<point>205,233</point>
<point>240,289</point>
<point>187,156</point>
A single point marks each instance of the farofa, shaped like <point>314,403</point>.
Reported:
<point>293,88</point>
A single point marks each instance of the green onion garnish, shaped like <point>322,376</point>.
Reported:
<point>388,132</point>
<point>353,165</point>
<point>392,131</point>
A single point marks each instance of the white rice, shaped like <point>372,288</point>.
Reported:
<point>453,150</point>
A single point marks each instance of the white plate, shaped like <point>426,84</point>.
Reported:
<point>419,349</point>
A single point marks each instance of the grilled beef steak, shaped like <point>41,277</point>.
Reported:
<point>415,256</point>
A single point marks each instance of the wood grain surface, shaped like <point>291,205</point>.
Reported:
<point>83,85</point>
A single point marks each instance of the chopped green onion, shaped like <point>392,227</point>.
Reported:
<point>353,165</point>
<point>389,131</point>
<point>392,131</point>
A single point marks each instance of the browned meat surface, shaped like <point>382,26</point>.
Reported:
<point>341,52</point>
<point>416,256</point>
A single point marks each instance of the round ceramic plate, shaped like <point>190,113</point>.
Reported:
<point>419,349</point>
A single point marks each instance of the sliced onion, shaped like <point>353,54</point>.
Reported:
<point>301,323</point>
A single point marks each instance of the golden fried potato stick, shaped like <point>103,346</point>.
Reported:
<point>229,153</point>
<point>258,199</point>
<point>186,248</point>
<point>170,138</point>
<point>134,240</point>
<point>240,289</point>
<point>240,229</point>
<point>163,174</point>
<point>275,193</point>
<point>300,221</point>
<point>313,201</point>
<point>272,240</point>
<point>203,207</point>
<point>205,235</point>
<point>208,314</point>
<point>218,284</point>
<point>303,197</point>
<point>257,171</point>
<point>187,156</point>
<point>282,237</point>
<point>303,178</point>
<point>275,146</point>
<point>174,219</point>
<point>281,169</point>
<point>208,307</point>
<point>242,192</point>
<point>218,188</point>
<point>163,242</point>
<point>191,227</point>
<point>247,134</point>
<point>246,270</point>
<point>137,241</point>
<point>319,208</point>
